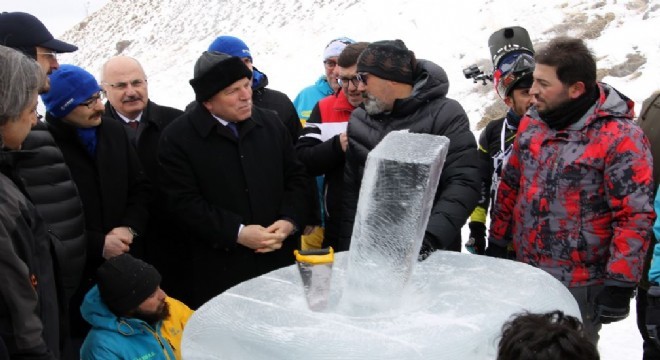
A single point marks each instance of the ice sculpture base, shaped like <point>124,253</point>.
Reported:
<point>453,309</point>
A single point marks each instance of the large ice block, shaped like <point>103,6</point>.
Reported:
<point>453,309</point>
<point>382,303</point>
<point>396,197</point>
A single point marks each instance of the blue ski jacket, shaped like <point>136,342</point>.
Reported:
<point>114,337</point>
<point>309,96</point>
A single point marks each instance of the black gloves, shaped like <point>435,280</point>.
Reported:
<point>476,244</point>
<point>653,318</point>
<point>428,246</point>
<point>613,303</point>
<point>494,250</point>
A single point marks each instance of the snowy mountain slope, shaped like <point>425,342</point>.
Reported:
<point>287,37</point>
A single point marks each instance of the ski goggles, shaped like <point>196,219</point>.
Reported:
<point>511,72</point>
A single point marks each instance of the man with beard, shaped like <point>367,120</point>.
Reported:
<point>128,300</point>
<point>576,196</point>
<point>323,141</point>
<point>113,187</point>
<point>513,78</point>
<point>45,176</point>
<point>401,92</point>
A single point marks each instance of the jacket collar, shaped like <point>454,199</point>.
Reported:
<point>204,123</point>
<point>147,114</point>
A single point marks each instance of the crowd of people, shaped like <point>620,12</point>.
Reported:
<point>112,200</point>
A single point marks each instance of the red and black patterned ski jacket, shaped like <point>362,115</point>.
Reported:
<point>578,202</point>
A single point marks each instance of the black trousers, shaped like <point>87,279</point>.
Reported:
<point>651,351</point>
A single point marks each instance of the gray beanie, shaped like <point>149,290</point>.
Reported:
<point>215,71</point>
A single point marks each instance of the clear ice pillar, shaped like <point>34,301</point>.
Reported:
<point>396,197</point>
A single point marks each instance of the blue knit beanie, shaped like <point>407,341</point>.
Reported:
<point>69,87</point>
<point>231,45</point>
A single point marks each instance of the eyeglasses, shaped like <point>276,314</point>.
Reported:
<point>52,55</point>
<point>344,82</point>
<point>330,63</point>
<point>92,100</point>
<point>362,77</point>
<point>136,83</point>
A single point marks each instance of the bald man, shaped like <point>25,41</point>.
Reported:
<point>126,87</point>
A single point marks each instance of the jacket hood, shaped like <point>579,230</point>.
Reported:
<point>322,85</point>
<point>97,314</point>
<point>431,82</point>
<point>259,80</point>
<point>613,103</point>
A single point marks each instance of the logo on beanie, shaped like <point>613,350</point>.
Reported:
<point>67,104</point>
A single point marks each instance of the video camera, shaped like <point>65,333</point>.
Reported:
<point>473,72</point>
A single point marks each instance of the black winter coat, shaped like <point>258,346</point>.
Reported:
<point>152,123</point>
<point>29,314</point>
<point>113,189</point>
<point>326,158</point>
<point>490,144</point>
<point>163,247</point>
<point>428,111</point>
<point>648,120</point>
<point>215,183</point>
<point>51,189</point>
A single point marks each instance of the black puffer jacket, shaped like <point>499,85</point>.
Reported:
<point>29,316</point>
<point>428,111</point>
<point>48,183</point>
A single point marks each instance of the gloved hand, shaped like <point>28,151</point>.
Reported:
<point>613,303</point>
<point>427,246</point>
<point>494,250</point>
<point>653,318</point>
<point>476,244</point>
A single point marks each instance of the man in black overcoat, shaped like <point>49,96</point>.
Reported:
<point>232,178</point>
<point>113,188</point>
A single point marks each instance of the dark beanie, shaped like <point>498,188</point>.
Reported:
<point>388,59</point>
<point>125,282</point>
<point>215,71</point>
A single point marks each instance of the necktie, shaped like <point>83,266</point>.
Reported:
<point>233,127</point>
<point>133,124</point>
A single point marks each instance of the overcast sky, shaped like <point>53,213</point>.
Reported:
<point>58,16</point>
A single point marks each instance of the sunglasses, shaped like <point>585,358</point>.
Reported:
<point>362,77</point>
